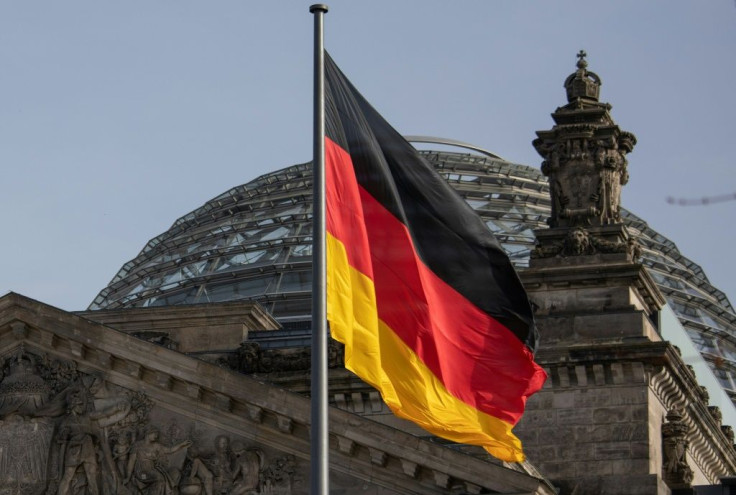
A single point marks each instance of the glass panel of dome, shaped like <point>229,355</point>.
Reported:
<point>240,259</point>
<point>708,320</point>
<point>297,210</point>
<point>296,281</point>
<point>172,277</point>
<point>182,297</point>
<point>728,350</point>
<point>492,226</point>
<point>244,288</point>
<point>301,251</point>
<point>725,378</point>
<point>512,249</point>
<point>138,288</point>
<point>195,269</point>
<point>276,233</point>
<point>476,203</point>
<point>235,240</point>
<point>708,344</point>
<point>292,307</point>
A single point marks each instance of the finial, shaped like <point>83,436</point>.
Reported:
<point>582,83</point>
<point>582,63</point>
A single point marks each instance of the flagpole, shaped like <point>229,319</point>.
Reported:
<point>319,430</point>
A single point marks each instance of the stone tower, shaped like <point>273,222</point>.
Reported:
<point>621,412</point>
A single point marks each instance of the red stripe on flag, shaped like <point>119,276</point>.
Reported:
<point>477,359</point>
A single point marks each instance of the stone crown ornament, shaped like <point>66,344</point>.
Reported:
<point>584,156</point>
<point>582,83</point>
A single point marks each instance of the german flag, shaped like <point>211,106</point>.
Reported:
<point>428,305</point>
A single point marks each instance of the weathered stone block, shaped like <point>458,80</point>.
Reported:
<point>539,418</point>
<point>541,400</point>
<point>574,416</point>
<point>627,396</point>
<point>564,400</point>
<point>626,467</point>
<point>586,469</point>
<point>629,432</point>
<point>595,434</point>
<point>573,452</point>
<point>640,414</point>
<point>643,484</point>
<point>640,450</point>
<point>617,372</point>
<point>528,436</point>
<point>607,415</point>
<point>556,435</point>
<point>539,454</point>
<point>612,450</point>
<point>611,485</point>
<point>593,398</point>
<point>581,376</point>
<point>599,375</point>
<point>555,470</point>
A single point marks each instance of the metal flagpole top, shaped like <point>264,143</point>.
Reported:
<point>318,7</point>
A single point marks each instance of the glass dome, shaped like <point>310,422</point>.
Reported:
<point>254,242</point>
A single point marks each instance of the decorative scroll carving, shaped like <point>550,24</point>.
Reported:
<point>728,431</point>
<point>279,477</point>
<point>704,395</point>
<point>677,473</point>
<point>579,241</point>
<point>250,358</point>
<point>716,414</point>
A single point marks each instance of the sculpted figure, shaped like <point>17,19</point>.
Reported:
<point>577,242</point>
<point>120,453</point>
<point>248,465</point>
<point>148,469</point>
<point>77,435</point>
<point>222,465</point>
<point>278,476</point>
<point>199,474</point>
<point>229,470</point>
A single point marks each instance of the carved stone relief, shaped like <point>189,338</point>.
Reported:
<point>579,241</point>
<point>584,157</point>
<point>64,432</point>
<point>676,471</point>
<point>250,358</point>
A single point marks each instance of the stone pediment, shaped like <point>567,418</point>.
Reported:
<point>87,409</point>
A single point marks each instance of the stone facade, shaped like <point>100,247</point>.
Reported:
<point>88,409</point>
<point>621,413</point>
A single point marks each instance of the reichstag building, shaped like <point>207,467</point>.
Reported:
<point>254,242</point>
<point>190,372</point>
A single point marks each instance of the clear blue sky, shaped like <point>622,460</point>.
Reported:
<point>116,118</point>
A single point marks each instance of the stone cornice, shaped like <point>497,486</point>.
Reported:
<point>161,318</point>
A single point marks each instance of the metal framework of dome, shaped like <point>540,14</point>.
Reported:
<point>254,242</point>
